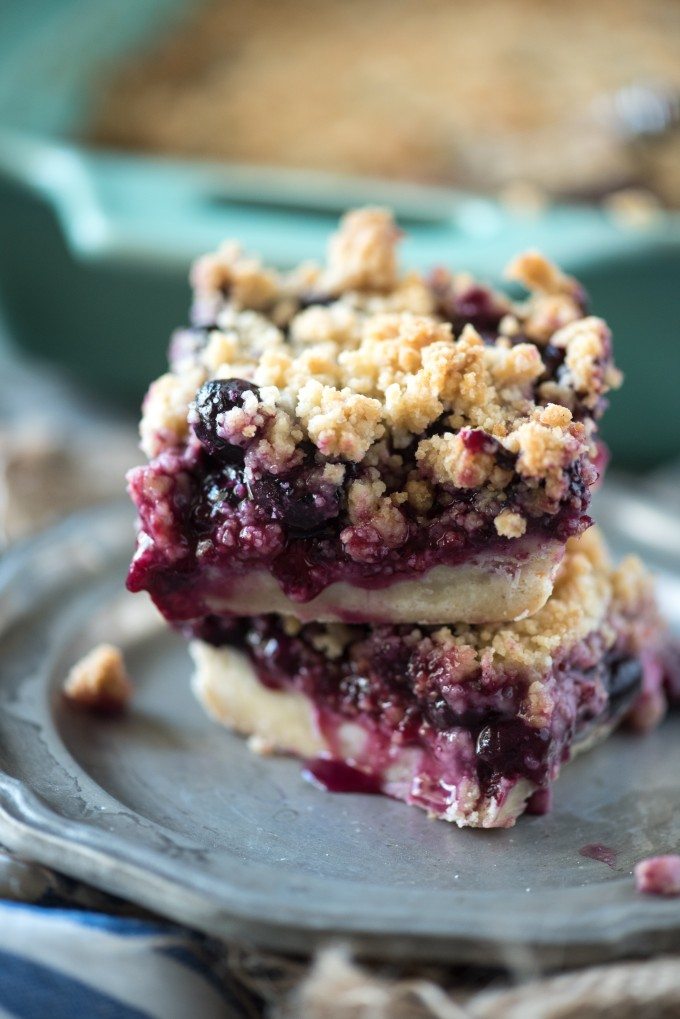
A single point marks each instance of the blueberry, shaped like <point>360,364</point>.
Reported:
<point>316,299</point>
<point>477,306</point>
<point>214,399</point>
<point>553,359</point>
<point>303,500</point>
<point>512,747</point>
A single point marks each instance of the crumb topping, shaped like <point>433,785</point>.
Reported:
<point>537,273</point>
<point>165,413</point>
<point>510,525</point>
<point>355,355</point>
<point>99,681</point>
<point>332,639</point>
<point>362,255</point>
<point>228,270</point>
<point>338,421</point>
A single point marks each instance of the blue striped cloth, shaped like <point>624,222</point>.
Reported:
<point>60,962</point>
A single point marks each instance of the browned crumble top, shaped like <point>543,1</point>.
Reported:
<point>99,680</point>
<point>378,362</point>
<point>589,596</point>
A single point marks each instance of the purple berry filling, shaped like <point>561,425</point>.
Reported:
<point>338,777</point>
<point>213,517</point>
<point>407,692</point>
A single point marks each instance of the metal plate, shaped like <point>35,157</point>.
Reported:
<point>166,809</point>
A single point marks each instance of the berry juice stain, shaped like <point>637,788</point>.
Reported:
<point>597,851</point>
<point>337,777</point>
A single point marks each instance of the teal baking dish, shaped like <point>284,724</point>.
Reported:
<point>96,246</point>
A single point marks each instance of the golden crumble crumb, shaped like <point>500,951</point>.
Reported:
<point>221,349</point>
<point>368,503</point>
<point>447,460</point>
<point>509,325</point>
<point>510,525</point>
<point>519,365</point>
<point>544,450</point>
<point>363,497</point>
<point>334,474</point>
<point>413,406</point>
<point>99,681</point>
<point>410,293</point>
<point>362,254</point>
<point>319,362</point>
<point>318,324</point>
<point>546,313</point>
<point>164,420</point>
<point>631,583</point>
<point>339,422</point>
<point>553,415</point>
<point>291,626</point>
<point>536,272</point>
<point>585,343</point>
<point>552,392</point>
<point>278,449</point>
<point>419,495</point>
<point>539,705</point>
<point>332,639</point>
<point>227,270</point>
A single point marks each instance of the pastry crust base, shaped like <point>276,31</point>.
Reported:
<point>227,686</point>
<point>490,588</point>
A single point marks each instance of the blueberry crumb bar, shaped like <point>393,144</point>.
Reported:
<point>351,443</point>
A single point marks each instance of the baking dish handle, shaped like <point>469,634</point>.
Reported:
<point>164,212</point>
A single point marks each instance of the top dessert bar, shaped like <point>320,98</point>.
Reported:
<point>354,443</point>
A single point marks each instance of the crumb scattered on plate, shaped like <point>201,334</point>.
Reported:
<point>658,875</point>
<point>99,681</point>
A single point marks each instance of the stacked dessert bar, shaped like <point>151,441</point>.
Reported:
<point>366,502</point>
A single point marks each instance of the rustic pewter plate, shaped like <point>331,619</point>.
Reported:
<point>166,809</point>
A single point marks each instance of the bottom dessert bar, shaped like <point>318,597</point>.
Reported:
<point>470,723</point>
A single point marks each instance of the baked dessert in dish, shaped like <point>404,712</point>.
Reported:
<point>350,443</point>
<point>471,723</point>
<point>472,95</point>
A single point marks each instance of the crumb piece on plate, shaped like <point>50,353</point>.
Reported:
<point>99,681</point>
<point>658,875</point>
